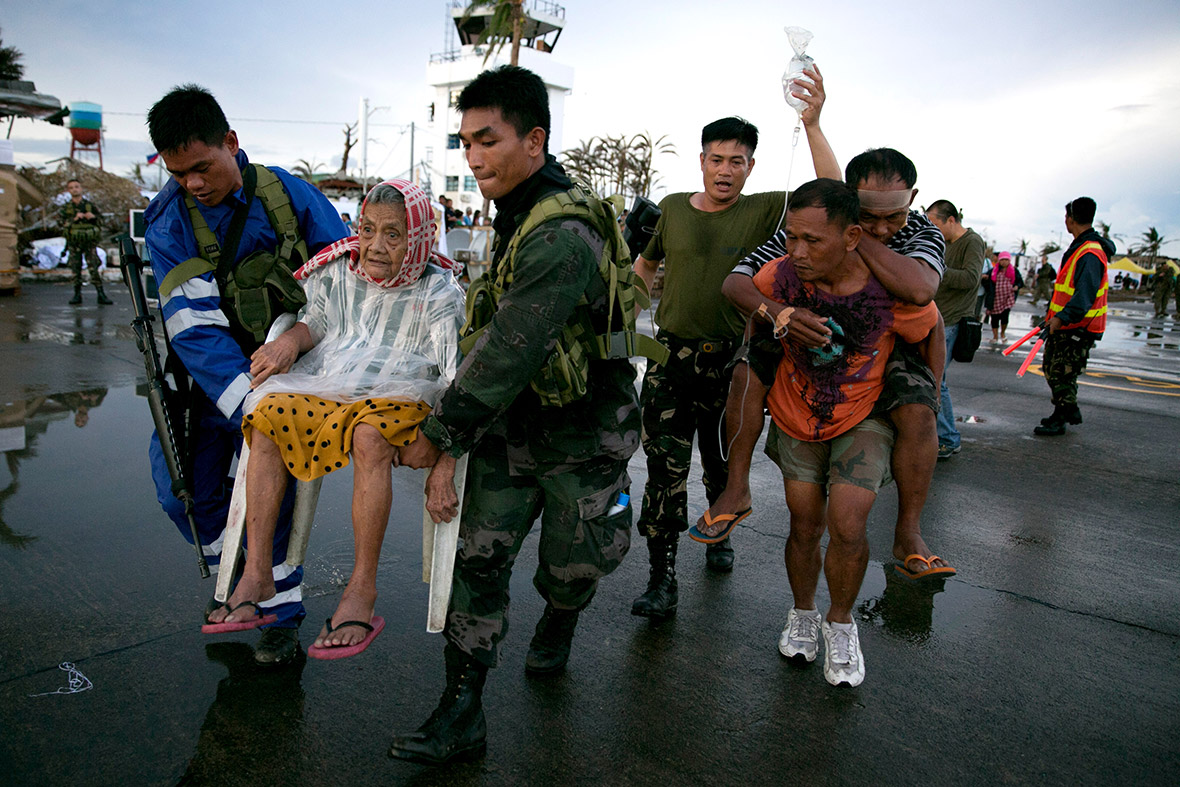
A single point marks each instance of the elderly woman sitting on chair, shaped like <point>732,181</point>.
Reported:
<point>380,337</point>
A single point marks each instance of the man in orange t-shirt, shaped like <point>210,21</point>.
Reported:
<point>833,455</point>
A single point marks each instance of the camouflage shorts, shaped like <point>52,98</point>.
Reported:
<point>908,380</point>
<point>859,457</point>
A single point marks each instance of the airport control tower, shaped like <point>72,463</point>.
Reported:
<point>445,170</point>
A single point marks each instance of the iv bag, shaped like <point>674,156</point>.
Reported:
<point>799,38</point>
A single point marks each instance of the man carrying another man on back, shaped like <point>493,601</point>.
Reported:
<point>826,436</point>
<point>904,251</point>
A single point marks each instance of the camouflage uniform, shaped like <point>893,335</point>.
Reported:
<point>1161,287</point>
<point>81,239</point>
<point>680,398</point>
<point>1066,353</point>
<point>564,464</point>
<point>1044,283</point>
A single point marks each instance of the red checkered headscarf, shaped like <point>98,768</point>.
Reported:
<point>420,232</point>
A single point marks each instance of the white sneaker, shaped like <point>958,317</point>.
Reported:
<point>800,636</point>
<point>843,662</point>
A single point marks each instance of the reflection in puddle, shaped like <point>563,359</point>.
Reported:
<point>22,423</point>
<point>905,608</point>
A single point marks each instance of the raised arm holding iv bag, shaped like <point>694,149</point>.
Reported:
<point>799,38</point>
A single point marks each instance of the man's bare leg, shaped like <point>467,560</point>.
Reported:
<point>915,452</point>
<point>807,506</point>
<point>744,419</point>
<point>266,483</point>
<point>372,496</point>
<point>848,547</point>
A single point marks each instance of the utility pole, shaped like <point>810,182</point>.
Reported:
<point>412,178</point>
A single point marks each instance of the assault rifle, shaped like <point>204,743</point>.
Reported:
<point>157,388</point>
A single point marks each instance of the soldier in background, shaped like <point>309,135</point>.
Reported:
<point>79,220</point>
<point>1162,285</point>
<point>1043,281</point>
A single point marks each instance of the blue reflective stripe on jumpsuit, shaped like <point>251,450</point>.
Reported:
<point>216,440</point>
<point>202,341</point>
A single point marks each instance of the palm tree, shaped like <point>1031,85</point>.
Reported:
<point>1151,242</point>
<point>584,163</point>
<point>307,170</point>
<point>617,164</point>
<point>1104,228</point>
<point>643,151</point>
<point>1022,246</point>
<point>1050,247</point>
<point>10,65</point>
<point>504,26</point>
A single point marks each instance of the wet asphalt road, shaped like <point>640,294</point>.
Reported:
<point>1053,657</point>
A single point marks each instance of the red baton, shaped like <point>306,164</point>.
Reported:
<point>1024,339</point>
<point>1027,361</point>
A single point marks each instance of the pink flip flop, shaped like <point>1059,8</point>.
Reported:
<point>260,619</point>
<point>344,651</point>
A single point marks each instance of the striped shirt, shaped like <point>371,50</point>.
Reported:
<point>919,238</point>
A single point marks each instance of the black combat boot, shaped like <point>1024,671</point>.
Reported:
<point>1054,425</point>
<point>1071,414</point>
<point>103,300</point>
<point>456,730</point>
<point>550,648</point>
<point>1055,417</point>
<point>660,598</point>
<point>719,556</point>
<point>77,299</point>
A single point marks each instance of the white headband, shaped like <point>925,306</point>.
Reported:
<point>885,200</point>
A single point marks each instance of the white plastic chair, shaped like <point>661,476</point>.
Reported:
<point>439,542</point>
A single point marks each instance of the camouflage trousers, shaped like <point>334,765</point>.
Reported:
<point>1066,353</point>
<point>580,542</point>
<point>682,398</point>
<point>1042,291</point>
<point>76,252</point>
<point>1160,297</point>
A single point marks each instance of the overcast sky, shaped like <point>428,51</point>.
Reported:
<point>1009,109</point>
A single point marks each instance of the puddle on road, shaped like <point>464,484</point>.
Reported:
<point>914,611</point>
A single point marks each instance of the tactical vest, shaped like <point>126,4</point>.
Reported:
<point>260,286</point>
<point>83,234</point>
<point>1094,319</point>
<point>563,377</point>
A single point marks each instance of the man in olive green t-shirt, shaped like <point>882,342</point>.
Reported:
<point>965,252</point>
<point>699,237</point>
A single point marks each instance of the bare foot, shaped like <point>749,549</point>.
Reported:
<point>250,588</point>
<point>904,546</point>
<point>728,503</point>
<point>353,606</point>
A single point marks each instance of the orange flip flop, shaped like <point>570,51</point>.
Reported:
<point>730,520</point>
<point>930,571</point>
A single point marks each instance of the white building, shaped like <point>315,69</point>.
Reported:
<point>445,169</point>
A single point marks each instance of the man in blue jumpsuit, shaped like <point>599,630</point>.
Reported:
<point>201,152</point>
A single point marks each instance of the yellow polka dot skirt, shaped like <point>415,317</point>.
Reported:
<point>315,435</point>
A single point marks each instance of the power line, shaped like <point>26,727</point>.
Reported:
<point>402,126</point>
